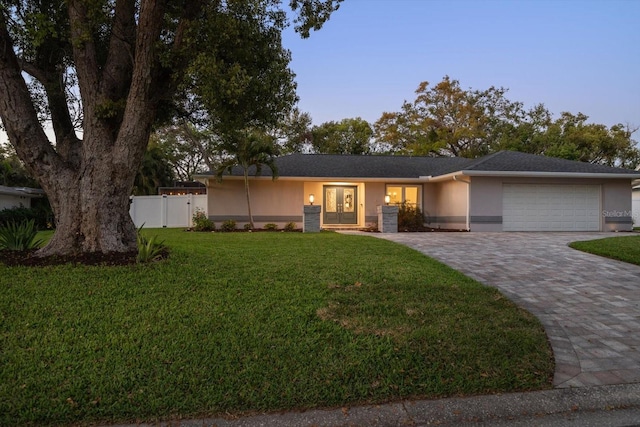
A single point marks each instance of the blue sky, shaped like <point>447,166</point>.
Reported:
<point>571,55</point>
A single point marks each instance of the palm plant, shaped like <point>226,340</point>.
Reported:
<point>20,236</point>
<point>244,150</point>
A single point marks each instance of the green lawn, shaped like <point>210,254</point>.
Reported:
<point>242,322</point>
<point>625,248</point>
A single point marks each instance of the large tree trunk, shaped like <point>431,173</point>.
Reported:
<point>91,211</point>
<point>88,181</point>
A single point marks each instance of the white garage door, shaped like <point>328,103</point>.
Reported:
<point>548,207</point>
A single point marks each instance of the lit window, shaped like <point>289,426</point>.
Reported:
<point>408,194</point>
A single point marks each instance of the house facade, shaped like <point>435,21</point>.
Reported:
<point>13,197</point>
<point>505,191</point>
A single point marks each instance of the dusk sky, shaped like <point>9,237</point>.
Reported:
<point>571,55</point>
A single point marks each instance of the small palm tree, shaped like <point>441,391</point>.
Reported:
<point>248,149</point>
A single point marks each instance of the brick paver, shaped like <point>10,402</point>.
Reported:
<point>589,306</point>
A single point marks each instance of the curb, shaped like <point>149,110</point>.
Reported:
<point>557,407</point>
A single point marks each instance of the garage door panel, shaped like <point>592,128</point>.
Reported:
<point>549,207</point>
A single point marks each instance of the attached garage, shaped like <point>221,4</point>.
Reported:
<point>551,207</point>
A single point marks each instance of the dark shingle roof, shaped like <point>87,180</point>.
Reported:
<point>353,166</point>
<point>513,161</point>
<point>370,166</point>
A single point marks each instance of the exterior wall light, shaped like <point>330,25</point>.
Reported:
<point>387,199</point>
<point>311,199</point>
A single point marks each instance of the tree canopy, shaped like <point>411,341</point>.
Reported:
<point>104,71</point>
<point>348,136</point>
<point>12,172</point>
<point>187,148</point>
<point>447,120</point>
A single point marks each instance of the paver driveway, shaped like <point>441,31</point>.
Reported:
<point>589,306</point>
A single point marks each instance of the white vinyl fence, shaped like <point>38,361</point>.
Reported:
<point>635,208</point>
<point>166,211</point>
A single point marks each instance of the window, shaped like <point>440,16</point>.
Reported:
<point>409,194</point>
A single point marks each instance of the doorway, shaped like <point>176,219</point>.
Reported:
<point>340,204</point>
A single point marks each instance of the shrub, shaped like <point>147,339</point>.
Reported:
<point>19,236</point>
<point>271,226</point>
<point>247,227</point>
<point>228,225</point>
<point>201,222</point>
<point>149,249</point>
<point>42,216</point>
<point>410,218</point>
<point>291,226</point>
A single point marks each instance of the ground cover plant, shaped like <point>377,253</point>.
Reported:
<point>624,248</point>
<point>240,322</point>
<point>20,236</point>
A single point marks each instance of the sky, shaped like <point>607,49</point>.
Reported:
<point>570,55</point>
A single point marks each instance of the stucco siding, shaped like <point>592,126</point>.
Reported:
<point>374,197</point>
<point>277,202</point>
<point>446,203</point>
<point>8,201</point>
<point>485,204</point>
<point>616,205</point>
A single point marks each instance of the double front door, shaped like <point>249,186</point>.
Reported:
<point>340,204</point>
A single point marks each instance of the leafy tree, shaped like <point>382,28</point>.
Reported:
<point>241,77</point>
<point>294,133</point>
<point>188,149</point>
<point>446,120</point>
<point>12,172</point>
<point>525,133</point>
<point>571,137</point>
<point>154,172</point>
<point>348,136</point>
<point>245,150</point>
<point>127,60</point>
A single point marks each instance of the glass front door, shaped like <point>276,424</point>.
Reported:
<point>340,205</point>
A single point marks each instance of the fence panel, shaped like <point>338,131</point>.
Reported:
<point>166,211</point>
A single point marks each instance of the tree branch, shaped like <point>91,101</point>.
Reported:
<point>19,116</point>
<point>150,81</point>
<point>85,55</point>
<point>116,75</point>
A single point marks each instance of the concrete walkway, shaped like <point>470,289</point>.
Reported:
<point>589,305</point>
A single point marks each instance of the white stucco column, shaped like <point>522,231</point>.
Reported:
<point>311,218</point>
<point>387,218</point>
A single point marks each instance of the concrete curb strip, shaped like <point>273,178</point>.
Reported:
<point>450,411</point>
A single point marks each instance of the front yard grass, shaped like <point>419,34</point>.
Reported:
<point>235,323</point>
<point>625,248</point>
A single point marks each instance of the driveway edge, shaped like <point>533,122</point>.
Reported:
<point>556,404</point>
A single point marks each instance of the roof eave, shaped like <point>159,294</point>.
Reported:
<point>540,174</point>
<point>204,178</point>
<point>22,192</point>
<point>530,174</point>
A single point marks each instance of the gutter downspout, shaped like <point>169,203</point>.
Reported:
<point>455,178</point>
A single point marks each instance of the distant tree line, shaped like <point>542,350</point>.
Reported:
<point>443,120</point>
<point>446,120</point>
